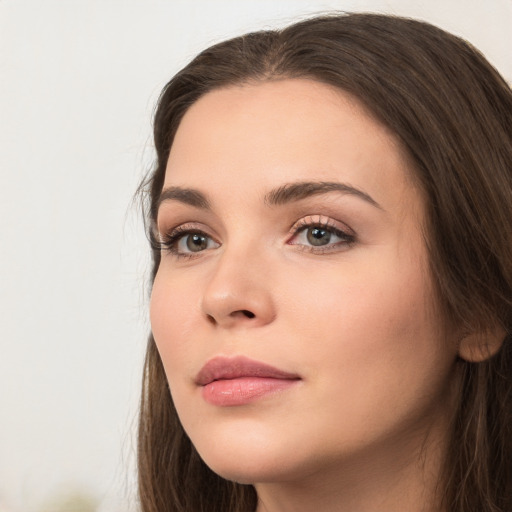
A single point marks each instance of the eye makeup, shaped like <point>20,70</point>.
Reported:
<point>319,234</point>
<point>316,234</point>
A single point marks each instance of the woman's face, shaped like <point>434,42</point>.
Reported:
<point>292,239</point>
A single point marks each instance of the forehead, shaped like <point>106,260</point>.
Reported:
<point>257,136</point>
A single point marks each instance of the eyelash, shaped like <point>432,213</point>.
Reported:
<point>347,239</point>
<point>169,241</point>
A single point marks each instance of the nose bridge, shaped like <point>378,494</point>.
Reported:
<point>239,289</point>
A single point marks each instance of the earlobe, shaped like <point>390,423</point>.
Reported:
<point>480,346</point>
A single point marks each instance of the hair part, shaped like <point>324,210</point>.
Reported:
<point>452,113</point>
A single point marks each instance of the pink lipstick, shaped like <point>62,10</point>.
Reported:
<point>238,380</point>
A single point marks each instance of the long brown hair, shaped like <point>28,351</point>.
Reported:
<point>452,113</point>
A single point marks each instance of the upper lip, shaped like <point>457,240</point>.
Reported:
<point>224,368</point>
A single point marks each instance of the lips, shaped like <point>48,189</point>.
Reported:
<point>224,368</point>
<point>239,380</point>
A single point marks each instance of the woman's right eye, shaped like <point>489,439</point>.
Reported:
<point>185,243</point>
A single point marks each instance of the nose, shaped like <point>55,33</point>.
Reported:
<point>239,292</point>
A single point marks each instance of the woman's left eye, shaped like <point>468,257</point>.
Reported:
<point>321,236</point>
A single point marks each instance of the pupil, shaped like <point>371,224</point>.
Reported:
<point>196,242</point>
<point>318,236</point>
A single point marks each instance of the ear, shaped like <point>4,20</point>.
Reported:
<point>480,346</point>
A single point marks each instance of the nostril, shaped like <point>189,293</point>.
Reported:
<point>235,314</point>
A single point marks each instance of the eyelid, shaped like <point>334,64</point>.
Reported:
<point>323,221</point>
<point>182,227</point>
<point>340,229</point>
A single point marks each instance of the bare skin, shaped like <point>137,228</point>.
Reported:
<point>328,283</point>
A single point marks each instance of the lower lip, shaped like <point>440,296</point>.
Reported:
<point>243,390</point>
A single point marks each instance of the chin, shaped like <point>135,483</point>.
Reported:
<point>248,471</point>
<point>251,462</point>
<point>245,465</point>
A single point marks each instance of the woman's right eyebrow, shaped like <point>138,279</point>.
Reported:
<point>188,196</point>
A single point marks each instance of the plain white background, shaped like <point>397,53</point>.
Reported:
<point>78,82</point>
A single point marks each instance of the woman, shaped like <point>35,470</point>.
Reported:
<point>331,217</point>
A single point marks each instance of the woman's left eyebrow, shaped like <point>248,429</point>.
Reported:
<point>300,190</point>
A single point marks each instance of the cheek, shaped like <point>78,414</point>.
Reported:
<point>371,331</point>
<point>377,299</point>
<point>172,323</point>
